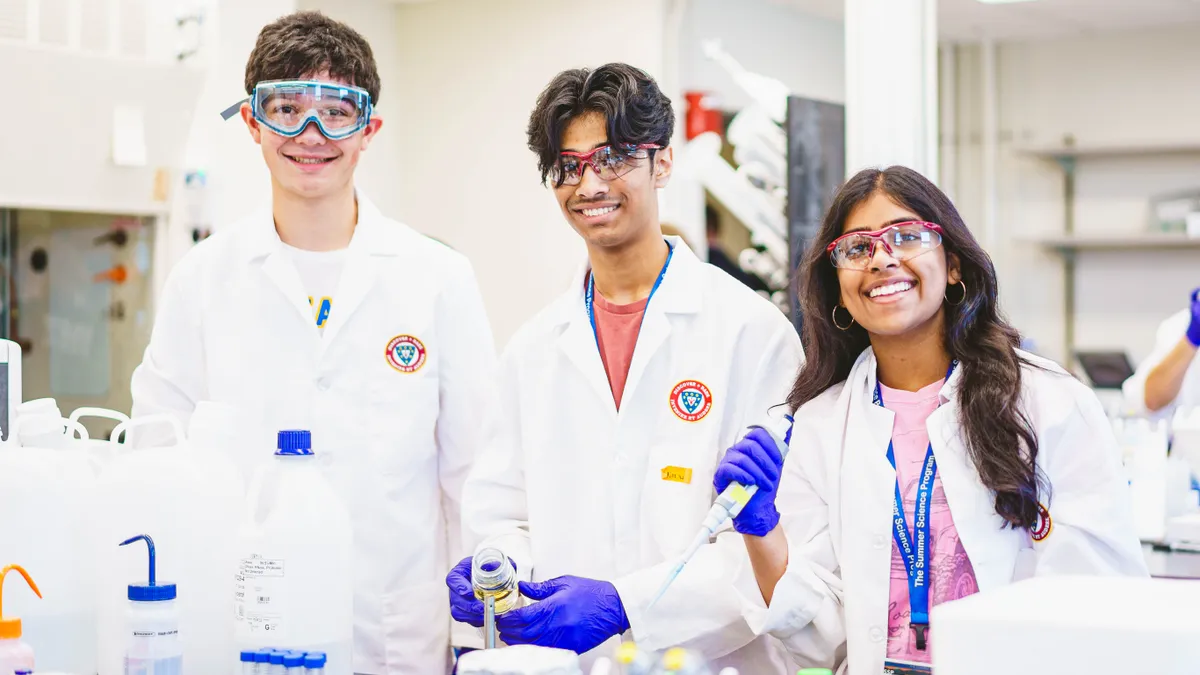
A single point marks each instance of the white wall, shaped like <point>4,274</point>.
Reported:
<point>1104,89</point>
<point>470,72</point>
<point>803,51</point>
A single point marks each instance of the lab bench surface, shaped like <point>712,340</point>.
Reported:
<point>1172,564</point>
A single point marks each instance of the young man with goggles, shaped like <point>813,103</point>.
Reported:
<point>320,313</point>
<point>618,400</point>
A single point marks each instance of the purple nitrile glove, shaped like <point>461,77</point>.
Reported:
<point>570,613</point>
<point>1193,331</point>
<point>464,606</point>
<point>754,460</point>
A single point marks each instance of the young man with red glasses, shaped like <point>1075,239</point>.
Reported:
<point>619,399</point>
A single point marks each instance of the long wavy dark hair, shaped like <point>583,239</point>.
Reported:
<point>999,435</point>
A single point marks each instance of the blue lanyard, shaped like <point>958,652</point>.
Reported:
<point>590,294</point>
<point>915,553</point>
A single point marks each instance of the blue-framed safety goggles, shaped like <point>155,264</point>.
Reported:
<point>288,106</point>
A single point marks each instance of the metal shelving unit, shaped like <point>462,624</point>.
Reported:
<point>1069,244</point>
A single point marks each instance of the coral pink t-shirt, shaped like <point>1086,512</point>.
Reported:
<point>951,575</point>
<point>617,329</point>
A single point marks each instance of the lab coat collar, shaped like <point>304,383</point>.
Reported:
<point>373,234</point>
<point>867,368</point>
<point>678,294</point>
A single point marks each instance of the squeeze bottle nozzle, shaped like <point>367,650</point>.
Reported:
<point>151,591</point>
<point>10,629</point>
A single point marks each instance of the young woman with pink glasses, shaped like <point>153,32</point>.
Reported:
<point>930,457</point>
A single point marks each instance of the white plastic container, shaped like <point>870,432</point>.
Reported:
<point>293,588</point>
<point>14,653</point>
<point>99,449</point>
<point>191,501</point>
<point>152,645</point>
<point>46,489</point>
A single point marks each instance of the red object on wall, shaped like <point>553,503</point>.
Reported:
<point>703,115</point>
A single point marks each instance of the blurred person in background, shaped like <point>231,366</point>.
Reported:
<point>1169,378</point>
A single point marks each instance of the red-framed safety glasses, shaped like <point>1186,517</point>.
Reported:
<point>608,161</point>
<point>902,241</point>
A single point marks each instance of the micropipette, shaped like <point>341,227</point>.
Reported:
<point>729,503</point>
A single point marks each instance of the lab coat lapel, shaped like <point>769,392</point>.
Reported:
<point>373,237</point>
<point>868,433</point>
<point>677,294</point>
<point>979,528</point>
<point>280,270</point>
<point>578,342</point>
<point>358,278</point>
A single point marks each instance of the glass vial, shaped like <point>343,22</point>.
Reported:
<point>492,574</point>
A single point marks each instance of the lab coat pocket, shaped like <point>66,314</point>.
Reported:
<point>400,422</point>
<point>416,630</point>
<point>680,491</point>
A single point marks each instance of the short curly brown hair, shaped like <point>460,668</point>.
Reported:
<point>303,43</point>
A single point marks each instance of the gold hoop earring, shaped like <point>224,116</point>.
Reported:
<point>962,299</point>
<point>835,321</point>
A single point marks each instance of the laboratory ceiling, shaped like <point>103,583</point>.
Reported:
<point>965,20</point>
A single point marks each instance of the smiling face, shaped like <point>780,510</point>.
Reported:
<point>893,297</point>
<point>611,213</point>
<point>310,165</point>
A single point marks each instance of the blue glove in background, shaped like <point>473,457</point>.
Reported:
<point>754,460</point>
<point>1193,331</point>
<point>571,613</point>
<point>464,606</point>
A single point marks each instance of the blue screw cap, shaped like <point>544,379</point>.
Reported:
<point>294,442</point>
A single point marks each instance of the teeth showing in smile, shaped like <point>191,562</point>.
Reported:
<point>592,213</point>
<point>310,160</point>
<point>890,289</point>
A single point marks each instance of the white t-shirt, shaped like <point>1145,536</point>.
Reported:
<point>320,272</point>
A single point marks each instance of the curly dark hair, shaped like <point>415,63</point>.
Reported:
<point>999,435</point>
<point>309,42</point>
<point>635,109</point>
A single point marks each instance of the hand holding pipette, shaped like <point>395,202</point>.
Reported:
<point>751,468</point>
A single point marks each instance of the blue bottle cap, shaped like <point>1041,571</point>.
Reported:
<point>247,657</point>
<point>277,658</point>
<point>314,660</point>
<point>294,442</point>
<point>293,659</point>
<point>263,655</point>
<point>152,591</point>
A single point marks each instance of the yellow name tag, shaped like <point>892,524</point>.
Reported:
<point>677,474</point>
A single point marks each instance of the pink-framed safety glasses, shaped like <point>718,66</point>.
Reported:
<point>608,161</point>
<point>902,241</point>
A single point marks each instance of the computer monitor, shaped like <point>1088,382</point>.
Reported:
<point>1105,370</point>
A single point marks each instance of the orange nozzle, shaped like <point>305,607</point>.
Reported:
<point>116,274</point>
<point>10,629</point>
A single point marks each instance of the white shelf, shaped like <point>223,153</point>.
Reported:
<point>1059,151</point>
<point>1141,242</point>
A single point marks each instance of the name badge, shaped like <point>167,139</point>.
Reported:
<point>677,474</point>
<point>906,668</point>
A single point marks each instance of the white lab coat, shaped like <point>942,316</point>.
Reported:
<point>234,325</point>
<point>836,496</point>
<point>1170,332</point>
<point>567,485</point>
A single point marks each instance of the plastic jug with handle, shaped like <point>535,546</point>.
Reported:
<point>192,501</point>
<point>294,582</point>
<point>100,448</point>
<point>45,496</point>
<point>14,653</point>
